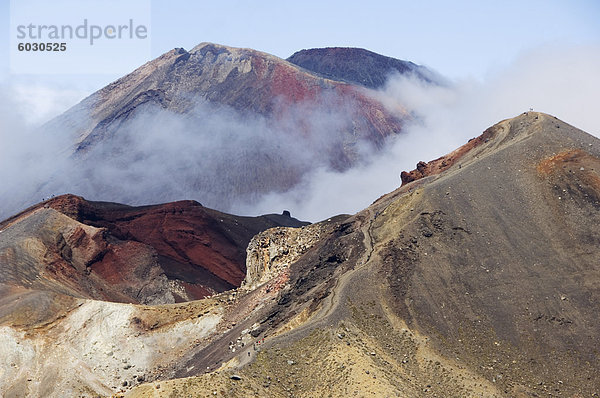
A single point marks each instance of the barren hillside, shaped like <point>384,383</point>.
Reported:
<point>479,278</point>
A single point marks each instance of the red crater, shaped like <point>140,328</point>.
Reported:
<point>161,253</point>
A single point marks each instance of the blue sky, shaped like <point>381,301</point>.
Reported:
<point>454,37</point>
<point>459,39</point>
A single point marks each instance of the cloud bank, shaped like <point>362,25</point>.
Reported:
<point>562,81</point>
<point>211,153</point>
<point>167,156</point>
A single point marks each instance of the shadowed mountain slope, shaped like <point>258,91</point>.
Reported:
<point>357,66</point>
<point>156,254</point>
<point>154,134</point>
<point>478,278</point>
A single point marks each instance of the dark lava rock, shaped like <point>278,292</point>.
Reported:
<point>356,65</point>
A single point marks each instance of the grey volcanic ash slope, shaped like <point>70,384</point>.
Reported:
<point>357,65</point>
<point>218,124</point>
<point>478,278</point>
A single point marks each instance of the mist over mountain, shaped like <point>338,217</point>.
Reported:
<point>469,280</point>
<point>221,125</point>
<point>172,150</point>
<point>422,221</point>
<point>447,115</point>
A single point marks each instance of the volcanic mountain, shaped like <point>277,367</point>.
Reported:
<point>357,66</point>
<point>246,80</point>
<point>270,121</point>
<point>157,254</point>
<point>478,277</point>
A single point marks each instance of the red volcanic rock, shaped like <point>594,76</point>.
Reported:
<point>246,80</point>
<point>151,254</point>
<point>443,163</point>
<point>573,171</point>
<point>275,108</point>
<point>289,83</point>
<point>183,232</point>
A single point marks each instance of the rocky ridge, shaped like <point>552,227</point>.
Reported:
<point>272,251</point>
<point>357,66</point>
<point>479,280</point>
<point>432,293</point>
<point>157,254</point>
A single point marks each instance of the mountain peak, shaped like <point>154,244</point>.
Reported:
<point>497,137</point>
<point>356,65</point>
<point>214,91</point>
<point>470,280</point>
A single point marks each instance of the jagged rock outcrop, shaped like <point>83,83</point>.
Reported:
<point>272,251</point>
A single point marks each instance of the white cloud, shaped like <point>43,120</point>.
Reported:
<point>39,103</point>
<point>164,158</point>
<point>563,81</point>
